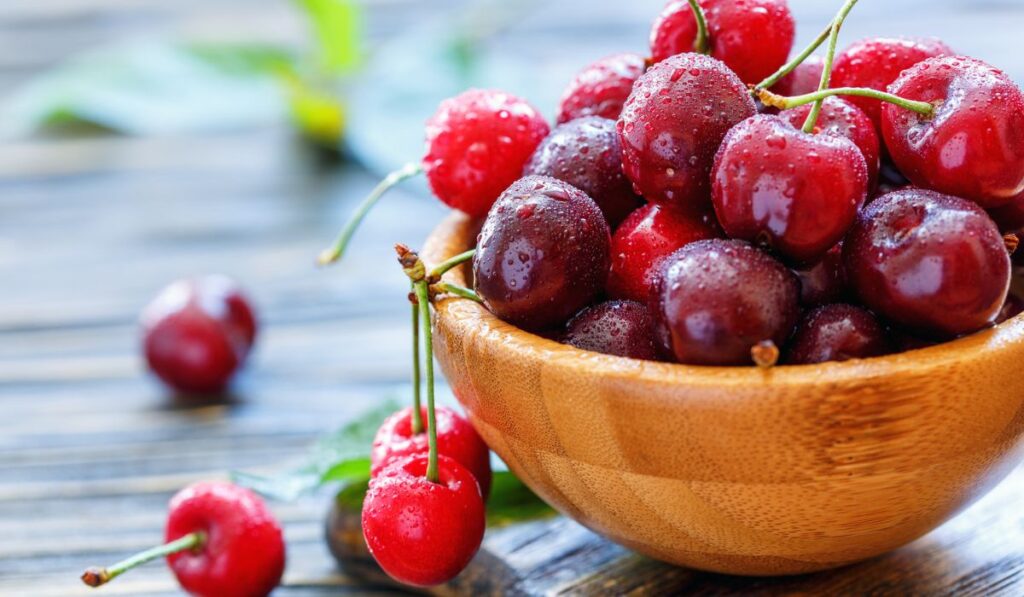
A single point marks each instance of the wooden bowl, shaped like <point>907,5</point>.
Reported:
<point>738,470</point>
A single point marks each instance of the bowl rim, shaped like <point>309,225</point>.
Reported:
<point>454,234</point>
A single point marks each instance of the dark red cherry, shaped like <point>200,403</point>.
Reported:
<point>973,144</point>
<point>840,117</point>
<point>797,193</point>
<point>542,254</point>
<point>876,62</point>
<point>837,333</point>
<point>586,154</point>
<point>714,300</point>
<point>825,281</point>
<point>805,78</point>
<point>620,328</point>
<point>601,88</point>
<point>752,37</point>
<point>1010,217</point>
<point>932,263</point>
<point>673,123</point>
<point>648,235</point>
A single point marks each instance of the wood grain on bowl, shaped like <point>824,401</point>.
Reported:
<point>738,470</point>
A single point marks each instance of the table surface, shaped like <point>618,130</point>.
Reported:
<point>91,227</point>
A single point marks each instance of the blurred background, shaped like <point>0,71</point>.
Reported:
<point>142,141</point>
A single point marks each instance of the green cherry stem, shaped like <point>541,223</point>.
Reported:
<point>796,61</point>
<point>826,72</point>
<point>337,250</point>
<point>95,576</point>
<point>700,44</point>
<point>784,103</point>
<point>423,302</point>
<point>417,416</point>
<point>459,291</point>
<point>448,264</point>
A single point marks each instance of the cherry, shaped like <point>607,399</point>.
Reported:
<point>456,439</point>
<point>795,192</point>
<point>876,62</point>
<point>420,532</point>
<point>620,328</point>
<point>716,300</point>
<point>752,37</point>
<point>674,121</point>
<point>601,88</point>
<point>647,236</point>
<point>825,281</point>
<point>586,154</point>
<point>222,541</point>
<point>933,263</point>
<point>197,332</point>
<point>837,333</point>
<point>542,254</point>
<point>972,145</point>
<point>840,117</point>
<point>802,79</point>
<point>1010,217</point>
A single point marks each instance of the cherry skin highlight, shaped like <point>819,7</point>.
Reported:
<point>586,154</point>
<point>973,144</point>
<point>876,62</point>
<point>672,124</point>
<point>647,236</point>
<point>601,88</point>
<point>456,439</point>
<point>477,145</point>
<point>752,37</point>
<point>794,192</point>
<point>423,533</point>
<point>805,78</point>
<point>840,117</point>
<point>197,333</point>
<point>620,328</point>
<point>825,281</point>
<point>932,263</point>
<point>714,300</point>
<point>243,554</point>
<point>542,254</point>
<point>837,333</point>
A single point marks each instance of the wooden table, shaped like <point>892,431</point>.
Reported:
<point>92,227</point>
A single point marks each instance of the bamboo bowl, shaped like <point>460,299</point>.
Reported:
<point>738,470</point>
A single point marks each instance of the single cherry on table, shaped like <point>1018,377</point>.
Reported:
<point>601,88</point>
<point>620,328</point>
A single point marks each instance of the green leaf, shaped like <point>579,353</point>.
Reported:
<point>338,28</point>
<point>512,501</point>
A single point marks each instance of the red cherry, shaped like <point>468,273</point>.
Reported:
<point>933,263</point>
<point>837,333</point>
<point>601,88</point>
<point>1010,217</point>
<point>456,439</point>
<point>423,533</point>
<point>825,281</point>
<point>477,145</point>
<point>805,78</point>
<point>876,62</point>
<point>752,37</point>
<point>645,238</point>
<point>243,553</point>
<point>196,333</point>
<point>673,123</point>
<point>973,144</point>
<point>620,328</point>
<point>840,117</point>
<point>586,154</point>
<point>795,192</point>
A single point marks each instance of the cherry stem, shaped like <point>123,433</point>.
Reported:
<point>826,71</point>
<point>765,354</point>
<point>423,302</point>
<point>784,103</point>
<point>446,288</point>
<point>448,264</point>
<point>1012,242</point>
<point>95,576</point>
<point>796,61</point>
<point>700,44</point>
<point>337,250</point>
<point>417,417</point>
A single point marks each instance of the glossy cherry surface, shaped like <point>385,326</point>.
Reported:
<point>647,236</point>
<point>243,554</point>
<point>825,281</point>
<point>477,145</point>
<point>620,328</point>
<point>973,144</point>
<point>752,37</point>
<point>423,533</point>
<point>932,263</point>
<point>542,254</point>
<point>837,333</point>
<point>840,117</point>
<point>716,299</point>
<point>876,62</point>
<point>797,193</point>
<point>197,332</point>
<point>456,439</point>
<point>586,154</point>
<point>673,123</point>
<point>805,78</point>
<point>601,88</point>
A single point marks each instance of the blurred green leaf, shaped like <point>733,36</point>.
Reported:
<point>338,28</point>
